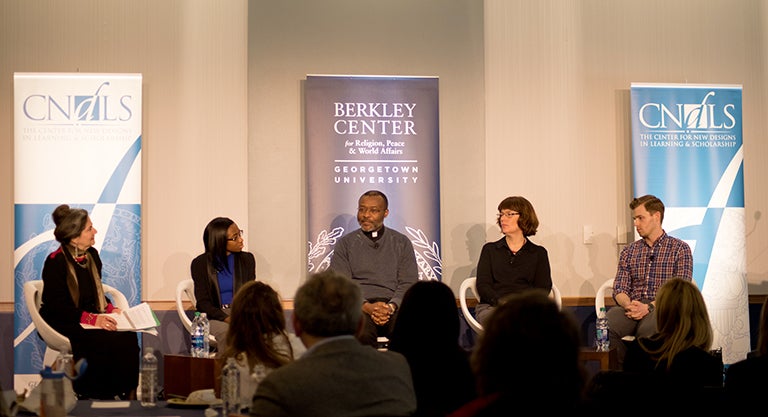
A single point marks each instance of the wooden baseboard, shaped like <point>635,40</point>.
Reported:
<point>471,302</point>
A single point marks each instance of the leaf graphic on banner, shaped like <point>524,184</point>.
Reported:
<point>425,267</point>
<point>430,251</point>
<point>323,241</point>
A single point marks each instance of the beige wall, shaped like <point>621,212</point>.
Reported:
<point>192,55</point>
<point>534,100</point>
<point>557,113</point>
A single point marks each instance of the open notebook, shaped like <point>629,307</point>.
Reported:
<point>139,318</point>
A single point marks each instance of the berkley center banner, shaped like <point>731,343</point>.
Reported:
<point>687,150</point>
<point>373,132</point>
<point>77,141</point>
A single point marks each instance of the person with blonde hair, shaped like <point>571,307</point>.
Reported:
<point>679,351</point>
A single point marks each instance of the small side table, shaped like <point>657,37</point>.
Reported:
<point>607,359</point>
<point>183,374</point>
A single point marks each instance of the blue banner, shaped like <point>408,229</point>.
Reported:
<point>687,150</point>
<point>77,141</point>
<point>371,132</point>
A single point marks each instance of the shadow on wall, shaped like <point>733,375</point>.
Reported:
<point>469,238</point>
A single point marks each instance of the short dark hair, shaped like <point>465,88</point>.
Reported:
<point>528,221</point>
<point>377,193</point>
<point>651,203</point>
<point>328,304</point>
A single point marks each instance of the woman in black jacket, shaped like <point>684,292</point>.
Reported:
<point>219,272</point>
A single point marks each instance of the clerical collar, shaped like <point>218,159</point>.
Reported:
<point>375,234</point>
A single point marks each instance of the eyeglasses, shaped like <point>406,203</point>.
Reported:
<point>239,235</point>
<point>508,214</point>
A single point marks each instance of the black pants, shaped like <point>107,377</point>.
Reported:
<point>371,331</point>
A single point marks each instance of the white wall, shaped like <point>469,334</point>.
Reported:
<point>534,101</point>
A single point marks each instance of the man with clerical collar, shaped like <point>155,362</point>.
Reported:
<point>381,261</point>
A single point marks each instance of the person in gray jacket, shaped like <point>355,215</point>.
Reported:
<point>337,375</point>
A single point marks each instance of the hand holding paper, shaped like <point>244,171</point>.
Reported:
<point>139,318</point>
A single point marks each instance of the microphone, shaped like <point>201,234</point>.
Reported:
<point>375,245</point>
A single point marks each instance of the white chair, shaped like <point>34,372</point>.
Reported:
<point>601,294</point>
<point>471,284</point>
<point>33,298</point>
<point>555,294</point>
<point>186,288</point>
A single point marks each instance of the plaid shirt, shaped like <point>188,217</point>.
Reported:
<point>643,269</point>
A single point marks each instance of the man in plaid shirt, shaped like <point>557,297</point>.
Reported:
<point>644,265</point>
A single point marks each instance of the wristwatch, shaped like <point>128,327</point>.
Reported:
<point>651,307</point>
<point>393,307</point>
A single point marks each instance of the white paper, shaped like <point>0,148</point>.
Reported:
<point>136,318</point>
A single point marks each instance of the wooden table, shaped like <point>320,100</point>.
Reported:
<point>607,359</point>
<point>183,374</point>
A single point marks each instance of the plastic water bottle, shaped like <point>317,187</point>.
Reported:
<point>149,378</point>
<point>602,342</point>
<point>52,393</point>
<point>230,387</point>
<point>206,325</point>
<point>199,341</point>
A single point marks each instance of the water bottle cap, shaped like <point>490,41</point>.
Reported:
<point>49,373</point>
<point>197,313</point>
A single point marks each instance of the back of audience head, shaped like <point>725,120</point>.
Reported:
<point>529,350</point>
<point>427,315</point>
<point>682,319</point>
<point>762,331</point>
<point>328,304</point>
<point>257,313</point>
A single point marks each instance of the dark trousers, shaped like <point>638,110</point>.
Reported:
<point>370,331</point>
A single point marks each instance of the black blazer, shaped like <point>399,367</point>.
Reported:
<point>207,292</point>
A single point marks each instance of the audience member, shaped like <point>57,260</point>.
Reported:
<point>73,295</point>
<point>513,263</point>
<point>427,334</point>
<point>673,369</point>
<point>219,272</point>
<point>337,375</point>
<point>527,356</point>
<point>644,265</point>
<point>679,352</point>
<point>746,381</point>
<point>257,335</point>
<point>381,260</point>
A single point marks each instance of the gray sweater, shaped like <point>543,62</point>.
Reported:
<point>385,268</point>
